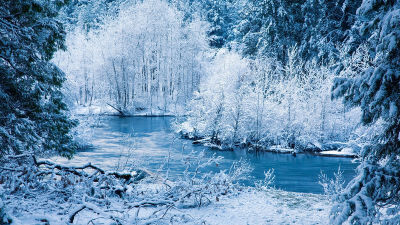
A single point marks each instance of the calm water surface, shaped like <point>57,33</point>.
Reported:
<point>151,144</point>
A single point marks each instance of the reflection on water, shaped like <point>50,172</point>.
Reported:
<point>150,143</point>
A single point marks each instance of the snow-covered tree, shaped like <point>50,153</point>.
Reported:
<point>269,27</point>
<point>221,15</point>
<point>32,113</point>
<point>326,24</point>
<point>88,14</point>
<point>146,58</point>
<point>262,103</point>
<point>373,196</point>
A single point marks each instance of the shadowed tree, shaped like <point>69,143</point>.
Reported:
<point>32,113</point>
<point>377,91</point>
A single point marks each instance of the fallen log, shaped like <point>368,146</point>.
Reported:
<point>119,110</point>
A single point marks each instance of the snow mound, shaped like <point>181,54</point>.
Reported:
<point>343,152</point>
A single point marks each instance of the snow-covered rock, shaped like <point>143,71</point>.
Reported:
<point>348,152</point>
<point>280,149</point>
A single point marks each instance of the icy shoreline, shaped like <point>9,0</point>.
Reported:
<point>344,152</point>
<point>236,204</point>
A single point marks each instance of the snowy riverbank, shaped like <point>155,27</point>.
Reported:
<point>339,149</point>
<point>329,149</point>
<point>108,110</point>
<point>250,206</point>
<point>45,192</point>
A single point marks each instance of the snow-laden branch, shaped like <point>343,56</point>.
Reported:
<point>90,193</point>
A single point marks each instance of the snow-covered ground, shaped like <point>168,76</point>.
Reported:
<point>345,152</point>
<point>55,194</point>
<point>266,207</point>
<point>93,109</point>
<point>250,206</point>
<point>103,109</point>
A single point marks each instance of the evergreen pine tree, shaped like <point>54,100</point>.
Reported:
<point>221,16</point>
<point>270,27</point>
<point>377,91</point>
<point>32,113</point>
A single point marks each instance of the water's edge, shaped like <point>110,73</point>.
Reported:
<point>149,142</point>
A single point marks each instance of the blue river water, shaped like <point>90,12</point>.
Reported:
<point>150,143</point>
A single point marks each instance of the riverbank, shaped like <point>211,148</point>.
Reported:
<point>341,149</point>
<point>109,110</point>
<point>53,193</point>
<point>332,149</point>
<point>250,206</point>
<point>329,149</point>
<point>216,195</point>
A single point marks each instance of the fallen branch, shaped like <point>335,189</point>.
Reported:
<point>72,216</point>
<point>119,110</point>
<point>73,170</point>
<point>150,203</point>
<point>18,156</point>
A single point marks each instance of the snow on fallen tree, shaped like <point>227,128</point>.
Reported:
<point>38,190</point>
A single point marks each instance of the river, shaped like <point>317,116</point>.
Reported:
<point>150,143</point>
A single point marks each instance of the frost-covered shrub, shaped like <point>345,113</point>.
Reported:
<point>267,183</point>
<point>197,188</point>
<point>332,187</point>
<point>262,103</point>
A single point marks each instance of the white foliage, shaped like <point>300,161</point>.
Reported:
<point>146,58</point>
<point>332,187</point>
<point>262,103</point>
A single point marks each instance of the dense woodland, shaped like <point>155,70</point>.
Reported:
<point>304,74</point>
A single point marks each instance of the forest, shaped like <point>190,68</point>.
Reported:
<point>305,78</point>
